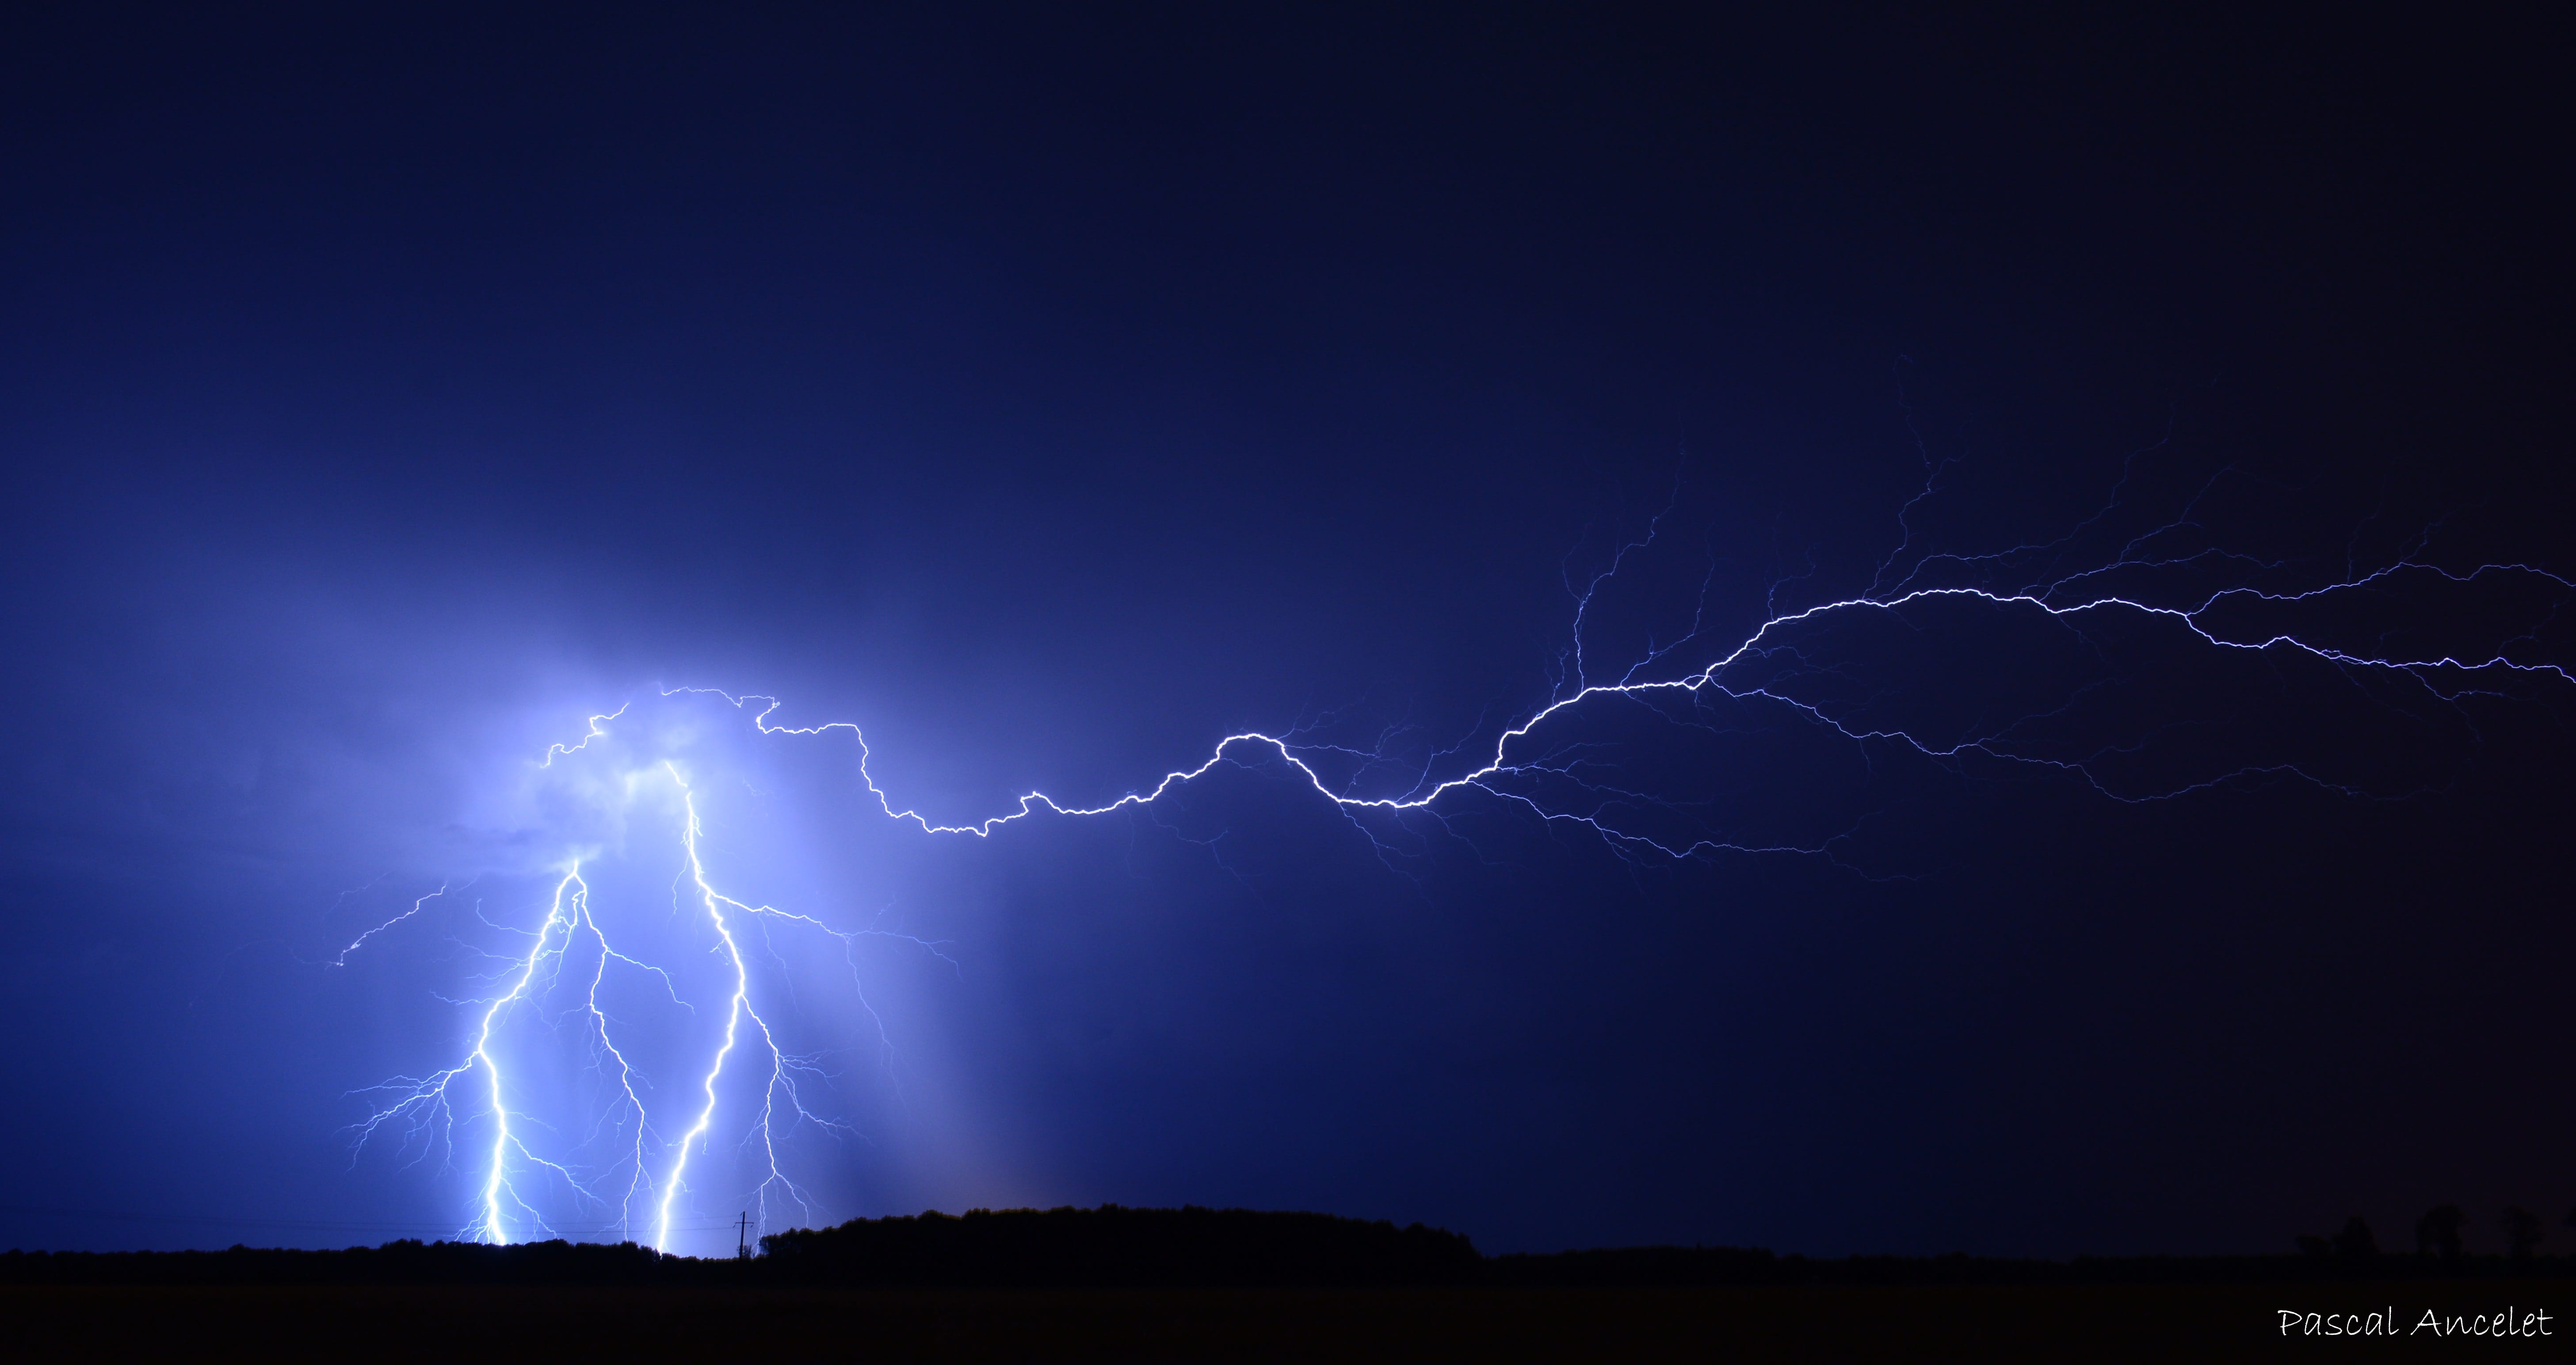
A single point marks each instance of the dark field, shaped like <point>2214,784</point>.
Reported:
<point>1913,1322</point>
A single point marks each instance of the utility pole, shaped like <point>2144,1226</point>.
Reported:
<point>742,1239</point>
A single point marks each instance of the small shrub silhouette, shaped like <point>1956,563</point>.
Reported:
<point>2439,1230</point>
<point>2522,1231</point>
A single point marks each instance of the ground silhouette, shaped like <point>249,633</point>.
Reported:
<point>1117,1247</point>
<point>1120,1284</point>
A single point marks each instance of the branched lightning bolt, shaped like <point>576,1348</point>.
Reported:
<point>1523,768</point>
<point>426,1099</point>
<point>738,1008</point>
<point>2443,676</point>
<point>422,1107</point>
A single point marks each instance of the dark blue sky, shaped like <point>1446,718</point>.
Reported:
<point>1054,395</point>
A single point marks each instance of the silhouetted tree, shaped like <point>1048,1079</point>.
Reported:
<point>2522,1231</point>
<point>2439,1230</point>
<point>2316,1246</point>
<point>1110,1245</point>
<point>2355,1242</point>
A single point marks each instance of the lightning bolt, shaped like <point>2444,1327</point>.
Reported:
<point>1556,781</point>
<point>428,1099</point>
<point>1495,776</point>
<point>342,960</point>
<point>781,1080</point>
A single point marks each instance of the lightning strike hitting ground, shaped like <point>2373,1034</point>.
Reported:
<point>1558,783</point>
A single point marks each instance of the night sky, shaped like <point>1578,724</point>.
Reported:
<point>1052,394</point>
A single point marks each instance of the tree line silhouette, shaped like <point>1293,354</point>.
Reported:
<point>2437,1234</point>
<point>1112,1246</point>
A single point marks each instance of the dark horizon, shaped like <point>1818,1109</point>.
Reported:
<point>1168,1248</point>
<point>1054,396</point>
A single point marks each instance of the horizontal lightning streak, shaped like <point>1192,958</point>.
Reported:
<point>1708,678</point>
